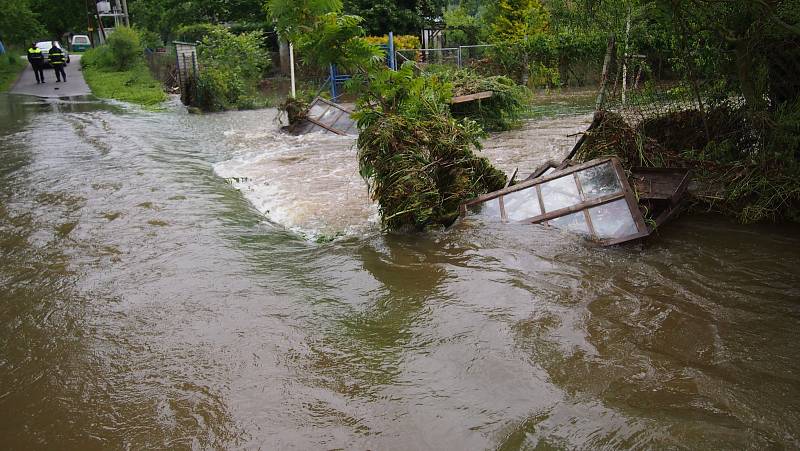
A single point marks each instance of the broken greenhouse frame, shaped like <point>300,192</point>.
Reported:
<point>592,199</point>
<point>326,116</point>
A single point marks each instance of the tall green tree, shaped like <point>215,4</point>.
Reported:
<point>165,16</point>
<point>293,18</point>
<point>516,20</point>
<point>61,16</point>
<point>399,16</point>
<point>18,23</point>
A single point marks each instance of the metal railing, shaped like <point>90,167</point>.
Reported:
<point>457,56</point>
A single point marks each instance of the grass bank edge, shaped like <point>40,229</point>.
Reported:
<point>134,85</point>
<point>11,66</point>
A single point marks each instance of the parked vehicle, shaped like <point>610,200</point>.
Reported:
<point>80,43</point>
<point>45,47</point>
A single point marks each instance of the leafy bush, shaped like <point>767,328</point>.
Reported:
<point>195,32</point>
<point>532,61</point>
<point>401,42</point>
<point>338,39</point>
<point>149,39</point>
<point>125,48</point>
<point>231,67</point>
<point>97,57</point>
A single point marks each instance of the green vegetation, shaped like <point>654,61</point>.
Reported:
<point>18,22</point>
<point>419,161</point>
<point>11,66</point>
<point>232,66</point>
<point>401,42</point>
<point>117,71</point>
<point>503,111</point>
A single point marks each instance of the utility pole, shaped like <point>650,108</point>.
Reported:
<point>125,11</point>
<point>89,27</point>
<point>100,27</point>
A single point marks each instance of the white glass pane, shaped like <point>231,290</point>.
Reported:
<point>317,110</point>
<point>331,115</point>
<point>491,210</point>
<point>613,220</point>
<point>343,123</point>
<point>575,222</point>
<point>522,204</point>
<point>560,193</point>
<point>599,181</point>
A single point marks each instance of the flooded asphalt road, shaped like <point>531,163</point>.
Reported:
<point>163,287</point>
<point>75,85</point>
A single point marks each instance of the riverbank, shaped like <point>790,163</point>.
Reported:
<point>10,68</point>
<point>134,85</point>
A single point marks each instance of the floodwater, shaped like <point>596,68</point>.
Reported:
<point>169,281</point>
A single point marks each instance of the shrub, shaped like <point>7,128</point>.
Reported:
<point>150,39</point>
<point>401,42</point>
<point>195,32</point>
<point>125,48</point>
<point>98,57</point>
<point>231,67</point>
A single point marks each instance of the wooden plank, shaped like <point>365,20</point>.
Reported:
<point>540,180</point>
<point>472,97</point>
<point>661,183</point>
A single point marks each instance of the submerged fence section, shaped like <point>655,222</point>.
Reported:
<point>461,56</point>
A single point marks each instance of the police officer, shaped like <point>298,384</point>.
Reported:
<point>36,59</point>
<point>56,58</point>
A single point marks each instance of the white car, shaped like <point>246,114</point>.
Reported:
<point>45,47</point>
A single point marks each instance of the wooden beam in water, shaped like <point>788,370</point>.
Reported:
<point>472,97</point>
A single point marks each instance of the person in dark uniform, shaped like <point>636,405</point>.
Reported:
<point>58,62</point>
<point>36,59</point>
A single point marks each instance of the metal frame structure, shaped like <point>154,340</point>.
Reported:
<point>330,116</point>
<point>583,206</point>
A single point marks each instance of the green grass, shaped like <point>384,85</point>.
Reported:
<point>11,65</point>
<point>135,85</point>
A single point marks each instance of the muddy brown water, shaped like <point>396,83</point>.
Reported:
<point>162,287</point>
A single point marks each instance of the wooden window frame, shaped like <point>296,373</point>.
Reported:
<point>584,206</point>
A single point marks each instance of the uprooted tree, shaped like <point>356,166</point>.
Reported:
<point>418,160</point>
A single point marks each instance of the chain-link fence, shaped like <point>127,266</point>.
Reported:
<point>163,67</point>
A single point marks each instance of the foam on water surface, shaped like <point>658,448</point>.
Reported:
<point>310,184</point>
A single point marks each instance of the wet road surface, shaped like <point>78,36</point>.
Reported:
<point>74,87</point>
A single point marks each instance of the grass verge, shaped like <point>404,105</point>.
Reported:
<point>135,85</point>
<point>10,67</point>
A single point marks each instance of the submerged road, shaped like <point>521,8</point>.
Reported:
<point>75,85</point>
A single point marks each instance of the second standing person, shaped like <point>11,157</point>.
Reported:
<point>56,57</point>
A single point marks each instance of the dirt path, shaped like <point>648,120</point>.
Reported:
<point>75,85</point>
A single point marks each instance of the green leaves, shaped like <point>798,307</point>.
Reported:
<point>293,18</point>
<point>336,39</point>
<point>418,159</point>
<point>232,66</point>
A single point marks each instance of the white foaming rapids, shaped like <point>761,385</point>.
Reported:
<point>309,184</point>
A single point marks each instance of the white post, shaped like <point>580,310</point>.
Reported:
<point>291,70</point>
<point>625,60</point>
